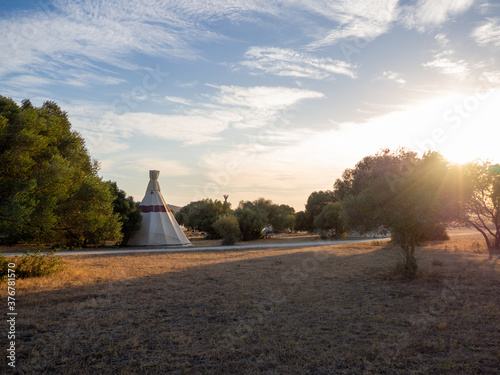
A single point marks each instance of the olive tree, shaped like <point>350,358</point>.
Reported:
<point>401,192</point>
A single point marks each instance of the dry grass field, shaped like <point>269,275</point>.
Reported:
<point>337,309</point>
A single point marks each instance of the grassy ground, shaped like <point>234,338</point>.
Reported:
<point>326,310</point>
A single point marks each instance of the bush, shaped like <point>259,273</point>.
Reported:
<point>436,232</point>
<point>227,226</point>
<point>32,265</point>
<point>229,240</point>
<point>251,220</point>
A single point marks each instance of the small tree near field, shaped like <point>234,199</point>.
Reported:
<point>331,219</point>
<point>228,228</point>
<point>403,193</point>
<point>251,220</point>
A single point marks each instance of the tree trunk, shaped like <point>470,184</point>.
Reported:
<point>411,266</point>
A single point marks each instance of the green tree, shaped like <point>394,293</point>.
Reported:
<point>228,228</point>
<point>251,220</point>
<point>201,215</point>
<point>281,217</point>
<point>331,219</point>
<point>301,221</point>
<point>127,210</point>
<point>49,188</point>
<point>403,193</point>
<point>315,203</point>
<point>481,201</point>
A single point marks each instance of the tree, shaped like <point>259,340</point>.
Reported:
<point>228,228</point>
<point>251,220</point>
<point>127,210</point>
<point>301,221</point>
<point>315,203</point>
<point>481,201</point>
<point>331,219</point>
<point>281,217</point>
<point>201,215</point>
<point>50,191</point>
<point>401,192</point>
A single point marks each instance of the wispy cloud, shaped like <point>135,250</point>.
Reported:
<point>488,34</point>
<point>393,76</point>
<point>446,64</point>
<point>442,62</point>
<point>80,35</point>
<point>431,12</point>
<point>287,62</point>
<point>353,19</point>
<point>230,107</point>
<point>177,100</point>
<point>140,163</point>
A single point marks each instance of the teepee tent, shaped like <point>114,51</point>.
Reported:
<point>159,227</point>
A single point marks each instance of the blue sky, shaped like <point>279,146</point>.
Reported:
<point>258,98</point>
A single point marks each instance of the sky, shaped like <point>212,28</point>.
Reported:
<point>257,98</point>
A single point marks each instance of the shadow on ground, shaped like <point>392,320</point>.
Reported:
<point>308,312</point>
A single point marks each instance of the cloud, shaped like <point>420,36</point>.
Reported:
<point>393,76</point>
<point>79,36</point>
<point>139,163</point>
<point>442,40</point>
<point>488,34</point>
<point>287,62</point>
<point>354,19</point>
<point>263,97</point>
<point>446,65</point>
<point>177,100</point>
<point>432,13</point>
<point>204,121</point>
<point>232,106</point>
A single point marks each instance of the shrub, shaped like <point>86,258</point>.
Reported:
<point>434,232</point>
<point>227,226</point>
<point>251,220</point>
<point>32,265</point>
<point>229,240</point>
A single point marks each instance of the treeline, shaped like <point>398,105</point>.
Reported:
<point>246,222</point>
<point>50,192</point>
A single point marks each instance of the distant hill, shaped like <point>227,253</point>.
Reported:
<point>174,208</point>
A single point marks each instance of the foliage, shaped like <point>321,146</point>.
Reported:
<point>281,217</point>
<point>301,221</point>
<point>481,201</point>
<point>49,187</point>
<point>251,219</point>
<point>127,210</point>
<point>227,226</point>
<point>401,192</point>
<point>315,203</point>
<point>32,265</point>
<point>434,232</point>
<point>201,215</point>
<point>229,240</point>
<point>331,219</point>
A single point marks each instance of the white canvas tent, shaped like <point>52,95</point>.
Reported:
<point>159,227</point>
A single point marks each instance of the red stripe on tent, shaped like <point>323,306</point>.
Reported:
<point>157,208</point>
